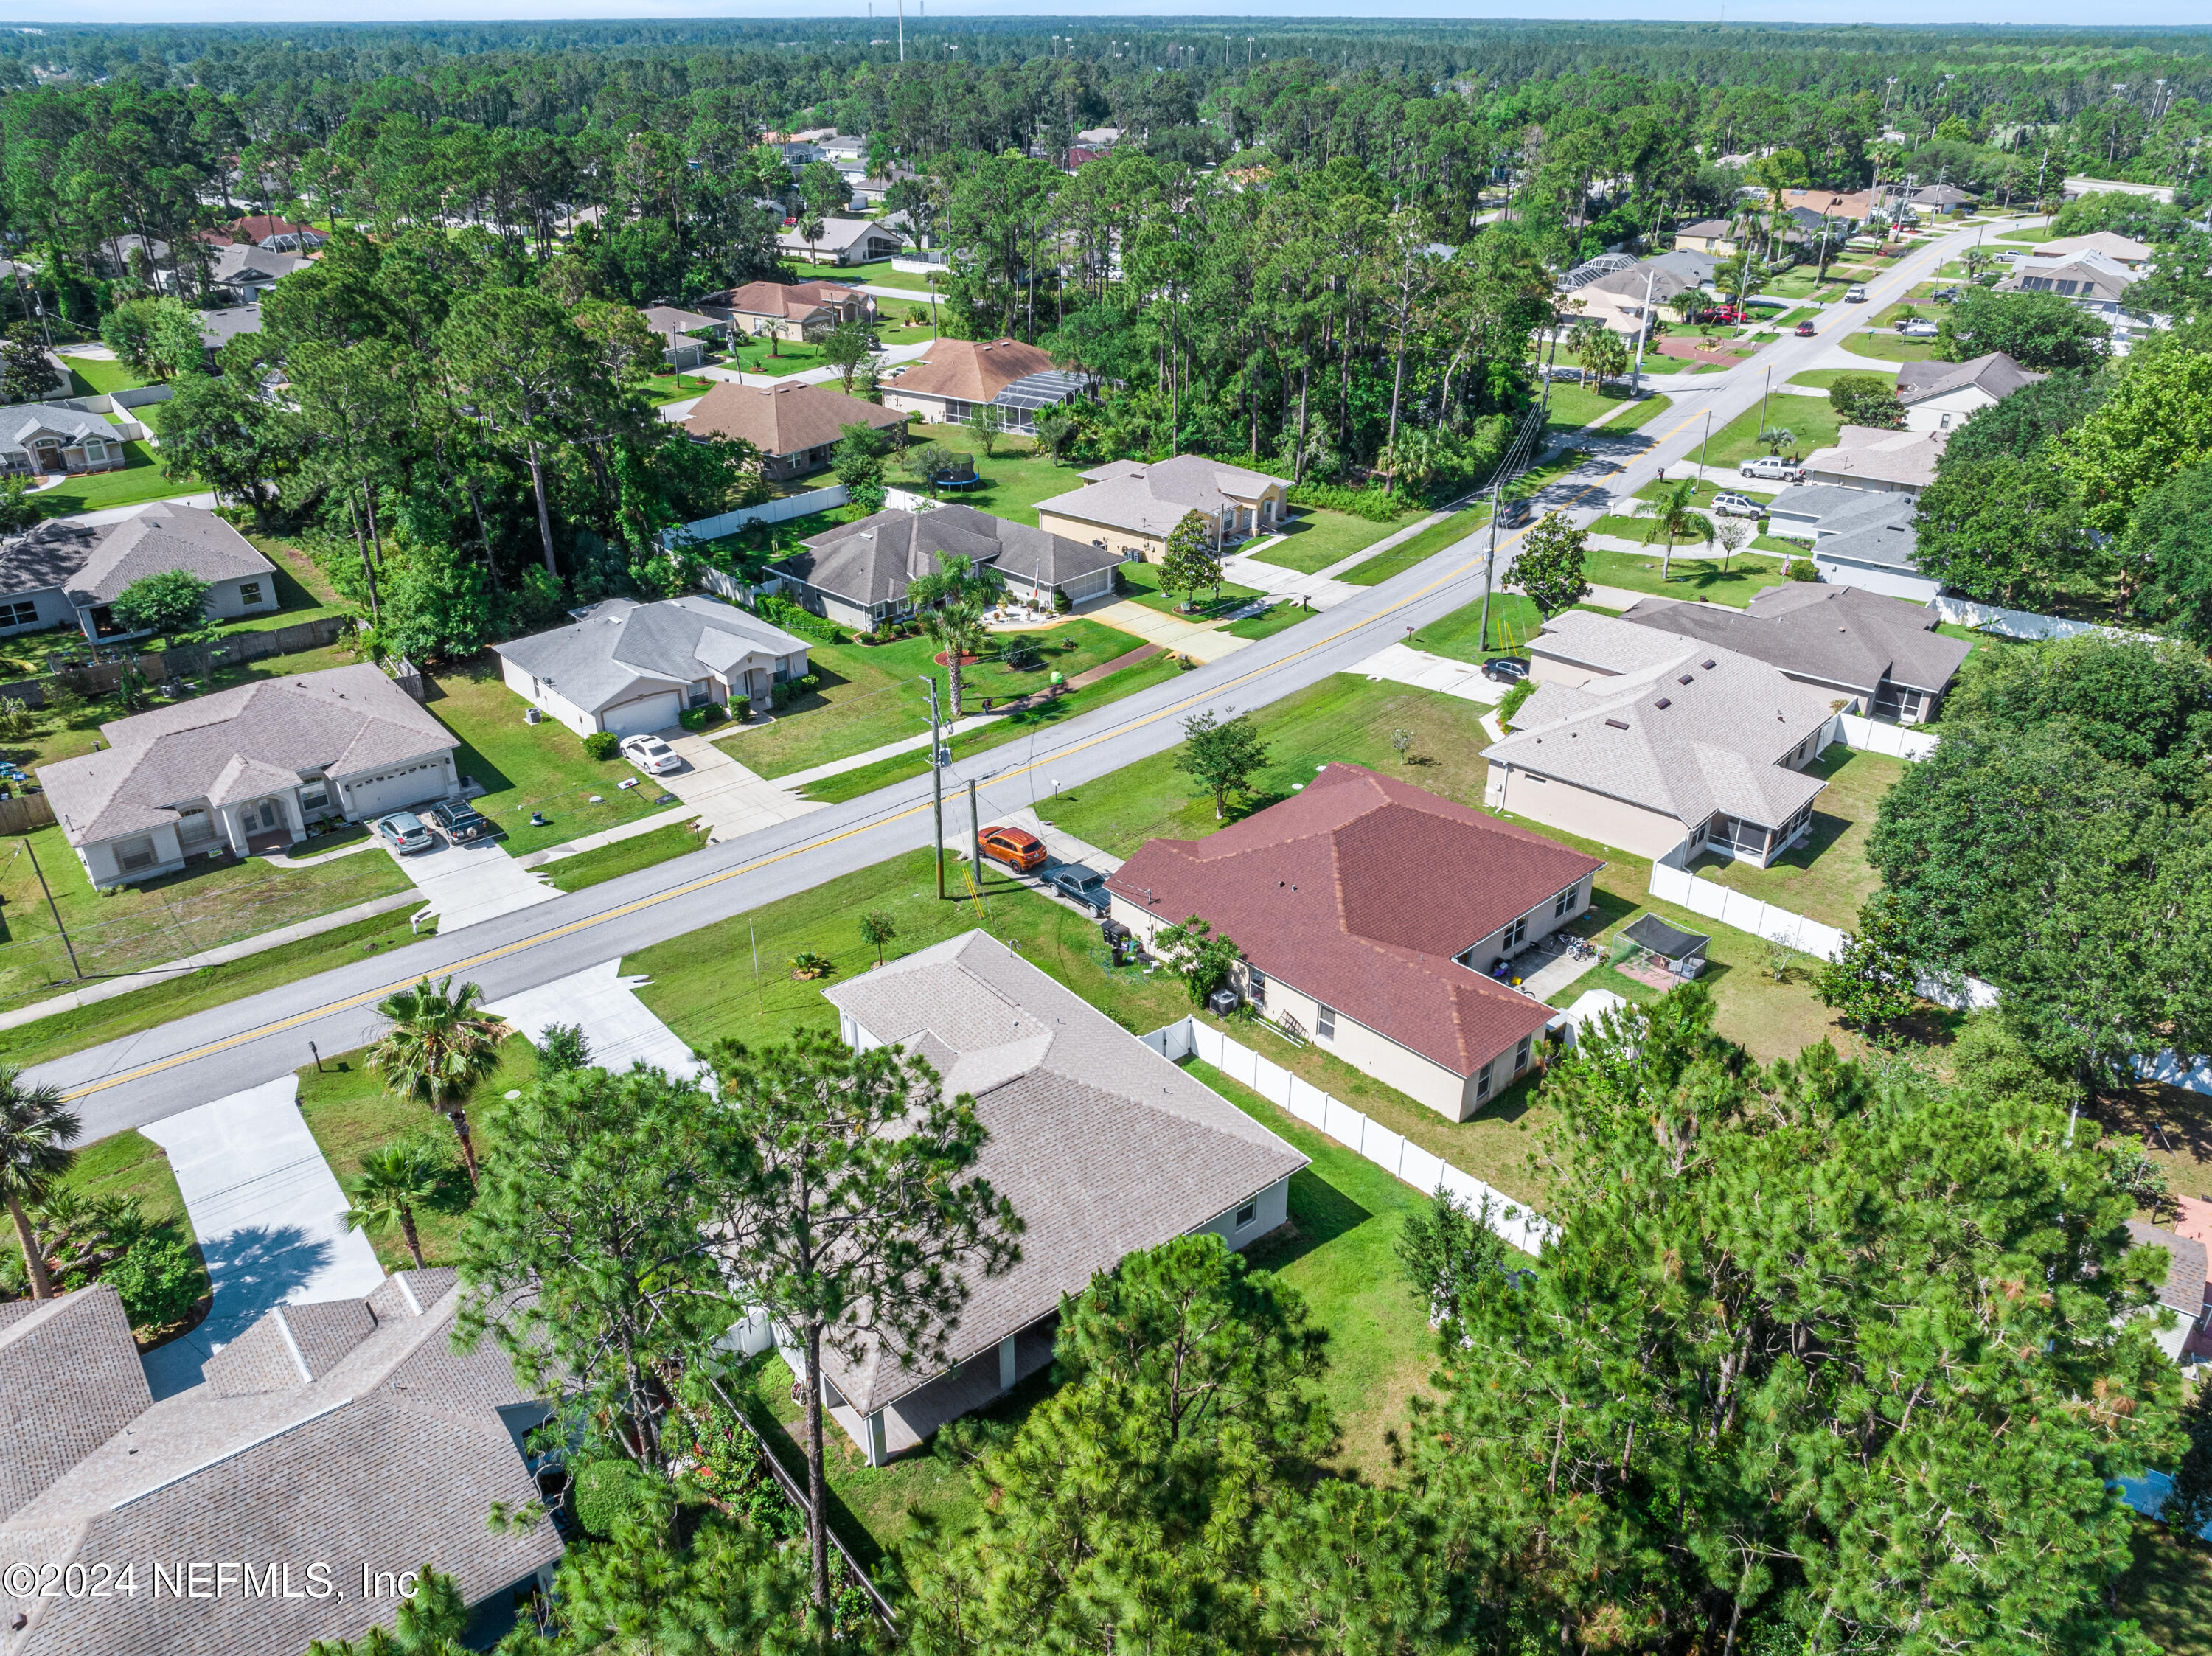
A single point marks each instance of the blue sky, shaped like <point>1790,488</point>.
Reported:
<point>2123,14</point>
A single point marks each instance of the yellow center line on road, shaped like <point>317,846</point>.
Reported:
<point>370,996</point>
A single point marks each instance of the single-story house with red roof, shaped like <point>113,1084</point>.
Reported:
<point>1368,914</point>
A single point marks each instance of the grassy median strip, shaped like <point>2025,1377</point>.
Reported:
<point>589,868</point>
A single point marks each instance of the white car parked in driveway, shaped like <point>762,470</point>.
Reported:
<point>1736,506</point>
<point>651,754</point>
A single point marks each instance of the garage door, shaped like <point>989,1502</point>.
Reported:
<point>397,789</point>
<point>652,713</point>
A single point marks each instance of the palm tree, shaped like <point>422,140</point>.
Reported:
<point>1670,514</point>
<point>438,1048</point>
<point>35,1131</point>
<point>394,1181</point>
<point>951,603</point>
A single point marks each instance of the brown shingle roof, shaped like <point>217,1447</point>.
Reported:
<point>1359,891</point>
<point>773,299</point>
<point>968,371</point>
<point>785,419</point>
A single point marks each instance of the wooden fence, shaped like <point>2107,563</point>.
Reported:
<point>25,812</point>
<point>90,678</point>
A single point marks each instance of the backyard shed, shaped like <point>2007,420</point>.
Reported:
<point>1650,942</point>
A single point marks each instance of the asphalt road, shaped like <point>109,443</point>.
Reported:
<point>179,1065</point>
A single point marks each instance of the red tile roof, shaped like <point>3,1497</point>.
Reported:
<point>1359,891</point>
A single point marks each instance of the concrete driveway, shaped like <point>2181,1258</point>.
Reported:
<point>617,1028</point>
<point>469,884</point>
<point>729,798</point>
<point>270,1216</point>
<point>1196,640</point>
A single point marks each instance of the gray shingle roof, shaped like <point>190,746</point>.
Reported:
<point>1151,499</point>
<point>1995,372</point>
<point>1863,452</point>
<point>20,423</point>
<point>1835,510</point>
<point>1841,635</point>
<point>875,561</point>
<point>2183,1286</point>
<point>46,1428</point>
<point>392,1454</point>
<point>339,721</point>
<point>97,560</point>
<point>1717,744</point>
<point>1893,546</point>
<point>241,262</point>
<point>621,643</point>
<point>1102,1145</point>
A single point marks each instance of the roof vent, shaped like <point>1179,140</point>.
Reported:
<point>1664,701</point>
<point>1709,666</point>
<point>1685,679</point>
<point>1617,724</point>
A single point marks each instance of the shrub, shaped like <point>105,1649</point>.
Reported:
<point>807,964</point>
<point>601,744</point>
<point>741,708</point>
<point>158,1279</point>
<point>1514,697</point>
<point>606,1492</point>
<point>697,719</point>
<point>1061,603</point>
<point>1371,504</point>
<point>1802,569</point>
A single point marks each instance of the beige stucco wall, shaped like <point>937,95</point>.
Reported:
<point>556,705</point>
<point>1580,812</point>
<point>1151,547</point>
<point>1947,412</point>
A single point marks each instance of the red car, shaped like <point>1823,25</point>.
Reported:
<point>1804,330</point>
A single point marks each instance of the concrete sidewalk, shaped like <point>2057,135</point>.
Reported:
<point>1402,664</point>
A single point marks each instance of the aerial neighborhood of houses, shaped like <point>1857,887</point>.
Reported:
<point>750,874</point>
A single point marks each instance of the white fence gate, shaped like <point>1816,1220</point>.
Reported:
<point>1394,1154</point>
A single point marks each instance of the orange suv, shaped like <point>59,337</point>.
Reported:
<point>1018,848</point>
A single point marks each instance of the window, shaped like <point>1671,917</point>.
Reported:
<point>1566,901</point>
<point>1945,426</point>
<point>94,449</point>
<point>1325,1023</point>
<point>1247,1214</point>
<point>317,796</point>
<point>134,854</point>
<point>249,592</point>
<point>1515,935</point>
<point>22,613</point>
<point>1521,1054</point>
<point>1255,984</point>
<point>1482,1083</point>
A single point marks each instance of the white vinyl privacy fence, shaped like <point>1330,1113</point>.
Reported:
<point>768,512</point>
<point>2020,623</point>
<point>1394,1153</point>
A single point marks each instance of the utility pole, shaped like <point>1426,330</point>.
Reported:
<point>1763,393</point>
<point>936,787</point>
<point>75,970</point>
<point>974,841</point>
<point>1489,566</point>
<point>1704,447</point>
<point>902,31</point>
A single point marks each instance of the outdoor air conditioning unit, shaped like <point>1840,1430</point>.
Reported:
<point>533,715</point>
<point>1222,1002</point>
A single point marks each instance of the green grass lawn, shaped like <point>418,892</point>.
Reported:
<point>1513,622</point>
<point>1408,552</point>
<point>872,695</point>
<point>1648,409</point>
<point>1690,578</point>
<point>213,985</point>
<point>1822,379</point>
<point>1315,539</point>
<point>1913,307</point>
<point>1142,584</point>
<point>1013,480</point>
<point>588,868</point>
<point>141,480</point>
<point>1009,727</point>
<point>876,274</point>
<point>1284,614</point>
<point>1812,425</point>
<point>1888,348</point>
<point>2169,1589</point>
<point>677,387</point>
<point>532,767</point>
<point>102,377</point>
<point>789,356</point>
<point>1825,875</point>
<point>1574,405</point>
<point>351,1114</point>
<point>163,919</point>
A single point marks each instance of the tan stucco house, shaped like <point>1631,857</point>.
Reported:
<point>1369,915</point>
<point>1132,506</point>
<point>947,384</point>
<point>795,427</point>
<point>796,311</point>
<point>1645,739</point>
